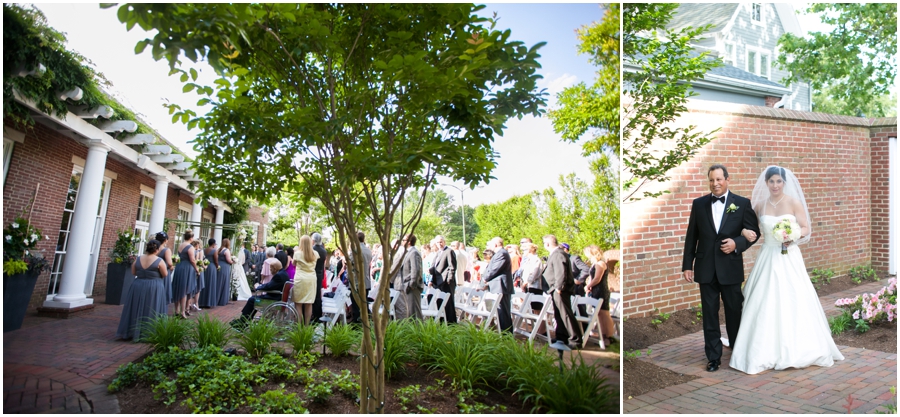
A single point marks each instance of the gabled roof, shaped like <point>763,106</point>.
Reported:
<point>693,14</point>
<point>739,74</point>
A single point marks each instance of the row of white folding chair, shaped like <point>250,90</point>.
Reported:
<point>592,317</point>
<point>486,310</point>
<point>467,302</point>
<point>393,300</point>
<point>615,303</point>
<point>337,306</point>
<point>430,307</point>
<point>525,316</point>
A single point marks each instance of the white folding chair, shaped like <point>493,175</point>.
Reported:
<point>615,302</point>
<point>526,317</point>
<point>487,310</point>
<point>471,304</point>
<point>518,304</point>
<point>394,296</point>
<point>428,291</point>
<point>433,311</point>
<point>462,298</point>
<point>337,306</point>
<point>592,306</point>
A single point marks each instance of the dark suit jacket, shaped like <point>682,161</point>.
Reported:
<point>276,284</point>
<point>246,261</point>
<point>500,268</point>
<point>411,271</point>
<point>282,257</point>
<point>558,272</point>
<point>580,270</point>
<point>443,273</point>
<point>320,263</point>
<point>701,243</point>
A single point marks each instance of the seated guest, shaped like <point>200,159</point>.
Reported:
<point>265,273</point>
<point>279,278</point>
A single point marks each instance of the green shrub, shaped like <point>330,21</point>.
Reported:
<point>319,387</point>
<point>306,359</point>
<point>397,348</point>
<point>215,382</point>
<point>277,402</point>
<point>258,337</point>
<point>579,389</point>
<point>301,338</point>
<point>839,324</point>
<point>346,383</point>
<point>162,332</point>
<point>861,273</point>
<point>469,356</point>
<point>427,338</point>
<point>275,366</point>
<point>465,401</point>
<point>824,275</point>
<point>341,338</point>
<point>209,331</point>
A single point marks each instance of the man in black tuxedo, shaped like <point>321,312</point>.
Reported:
<point>500,268</point>
<point>320,276</point>
<point>281,255</point>
<point>443,276</point>
<point>246,261</point>
<point>713,248</point>
<point>559,276</point>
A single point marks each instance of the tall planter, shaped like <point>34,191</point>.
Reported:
<point>17,290</point>
<point>118,281</point>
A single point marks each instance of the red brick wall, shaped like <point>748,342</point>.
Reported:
<point>832,162</point>
<point>880,205</point>
<point>770,101</point>
<point>261,216</point>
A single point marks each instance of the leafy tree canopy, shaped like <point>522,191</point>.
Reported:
<point>660,65</point>
<point>855,64</point>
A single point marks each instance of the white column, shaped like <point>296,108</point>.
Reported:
<point>196,215</point>
<point>78,250</point>
<point>158,212</point>
<point>220,217</point>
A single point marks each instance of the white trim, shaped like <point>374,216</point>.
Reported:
<point>106,173</point>
<point>148,191</point>
<point>733,57</point>
<point>8,145</point>
<point>893,192</point>
<point>762,15</point>
<point>13,135</point>
<point>759,52</point>
<point>185,206</point>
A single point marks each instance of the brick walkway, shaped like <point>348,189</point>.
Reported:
<point>64,366</point>
<point>867,375</point>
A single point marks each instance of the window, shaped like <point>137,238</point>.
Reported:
<point>759,62</point>
<point>751,62</point>
<point>7,155</point>
<point>764,66</point>
<point>59,258</point>
<point>206,230</point>
<point>145,206</point>
<point>729,53</point>
<point>142,223</point>
<point>756,12</point>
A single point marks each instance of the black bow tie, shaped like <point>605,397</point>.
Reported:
<point>722,199</point>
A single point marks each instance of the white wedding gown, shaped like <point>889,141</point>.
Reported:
<point>783,324</point>
<point>237,272</point>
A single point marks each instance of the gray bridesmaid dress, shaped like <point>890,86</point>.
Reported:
<point>168,281</point>
<point>224,276</point>
<point>145,299</point>
<point>184,279</point>
<point>209,295</point>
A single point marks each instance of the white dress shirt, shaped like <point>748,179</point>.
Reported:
<point>718,209</point>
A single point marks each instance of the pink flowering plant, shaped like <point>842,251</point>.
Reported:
<point>867,308</point>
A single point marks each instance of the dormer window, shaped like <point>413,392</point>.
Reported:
<point>728,56</point>
<point>756,12</point>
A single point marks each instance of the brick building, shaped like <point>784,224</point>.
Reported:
<point>120,186</point>
<point>848,169</point>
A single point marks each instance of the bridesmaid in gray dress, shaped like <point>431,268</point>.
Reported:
<point>224,274</point>
<point>166,255</point>
<point>209,295</point>
<point>184,280</point>
<point>146,297</point>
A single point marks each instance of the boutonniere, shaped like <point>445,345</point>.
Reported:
<point>732,208</point>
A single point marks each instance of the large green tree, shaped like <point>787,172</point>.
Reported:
<point>854,65</point>
<point>660,65</point>
<point>355,104</point>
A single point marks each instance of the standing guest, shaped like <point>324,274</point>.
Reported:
<point>246,259</point>
<point>580,270</point>
<point>532,281</point>
<point>281,255</point>
<point>146,298</point>
<point>304,289</point>
<point>226,264</point>
<point>265,271</point>
<point>195,295</point>
<point>166,255</point>
<point>401,311</point>
<point>340,270</point>
<point>558,274</point>
<point>476,265</point>
<point>377,264</point>
<point>462,263</point>
<point>260,260</point>
<point>515,258</point>
<point>239,275</point>
<point>443,276</point>
<point>279,278</point>
<point>209,296</point>
<point>488,254</point>
<point>320,276</point>
<point>598,288</point>
<point>500,269</point>
<point>184,279</point>
<point>291,269</point>
<point>412,283</point>
<point>364,279</point>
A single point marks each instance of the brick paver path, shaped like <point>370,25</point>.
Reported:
<point>64,366</point>
<point>867,375</point>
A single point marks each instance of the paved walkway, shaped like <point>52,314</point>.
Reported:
<point>64,365</point>
<point>867,375</point>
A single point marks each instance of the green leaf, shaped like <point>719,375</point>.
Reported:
<point>141,46</point>
<point>193,74</point>
<point>188,87</point>
<point>122,13</point>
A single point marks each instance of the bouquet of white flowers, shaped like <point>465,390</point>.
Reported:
<point>176,259</point>
<point>786,231</point>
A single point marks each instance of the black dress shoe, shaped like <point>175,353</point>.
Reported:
<point>712,366</point>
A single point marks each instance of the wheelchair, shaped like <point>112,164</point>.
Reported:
<point>281,313</point>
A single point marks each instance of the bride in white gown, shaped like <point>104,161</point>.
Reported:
<point>783,324</point>
<point>237,273</point>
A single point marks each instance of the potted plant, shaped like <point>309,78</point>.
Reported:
<point>118,272</point>
<point>21,267</point>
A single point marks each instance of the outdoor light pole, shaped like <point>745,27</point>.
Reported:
<point>462,207</point>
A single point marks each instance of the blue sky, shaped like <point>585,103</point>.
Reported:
<point>531,155</point>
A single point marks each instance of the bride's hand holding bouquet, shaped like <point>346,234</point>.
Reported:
<point>785,232</point>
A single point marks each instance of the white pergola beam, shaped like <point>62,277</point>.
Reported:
<point>167,159</point>
<point>85,112</point>
<point>178,166</point>
<point>75,94</point>
<point>157,150</point>
<point>39,70</point>
<point>140,139</point>
<point>119,126</point>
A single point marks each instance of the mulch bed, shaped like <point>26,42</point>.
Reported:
<point>641,377</point>
<point>138,399</point>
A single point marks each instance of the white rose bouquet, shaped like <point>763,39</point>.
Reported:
<point>786,231</point>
